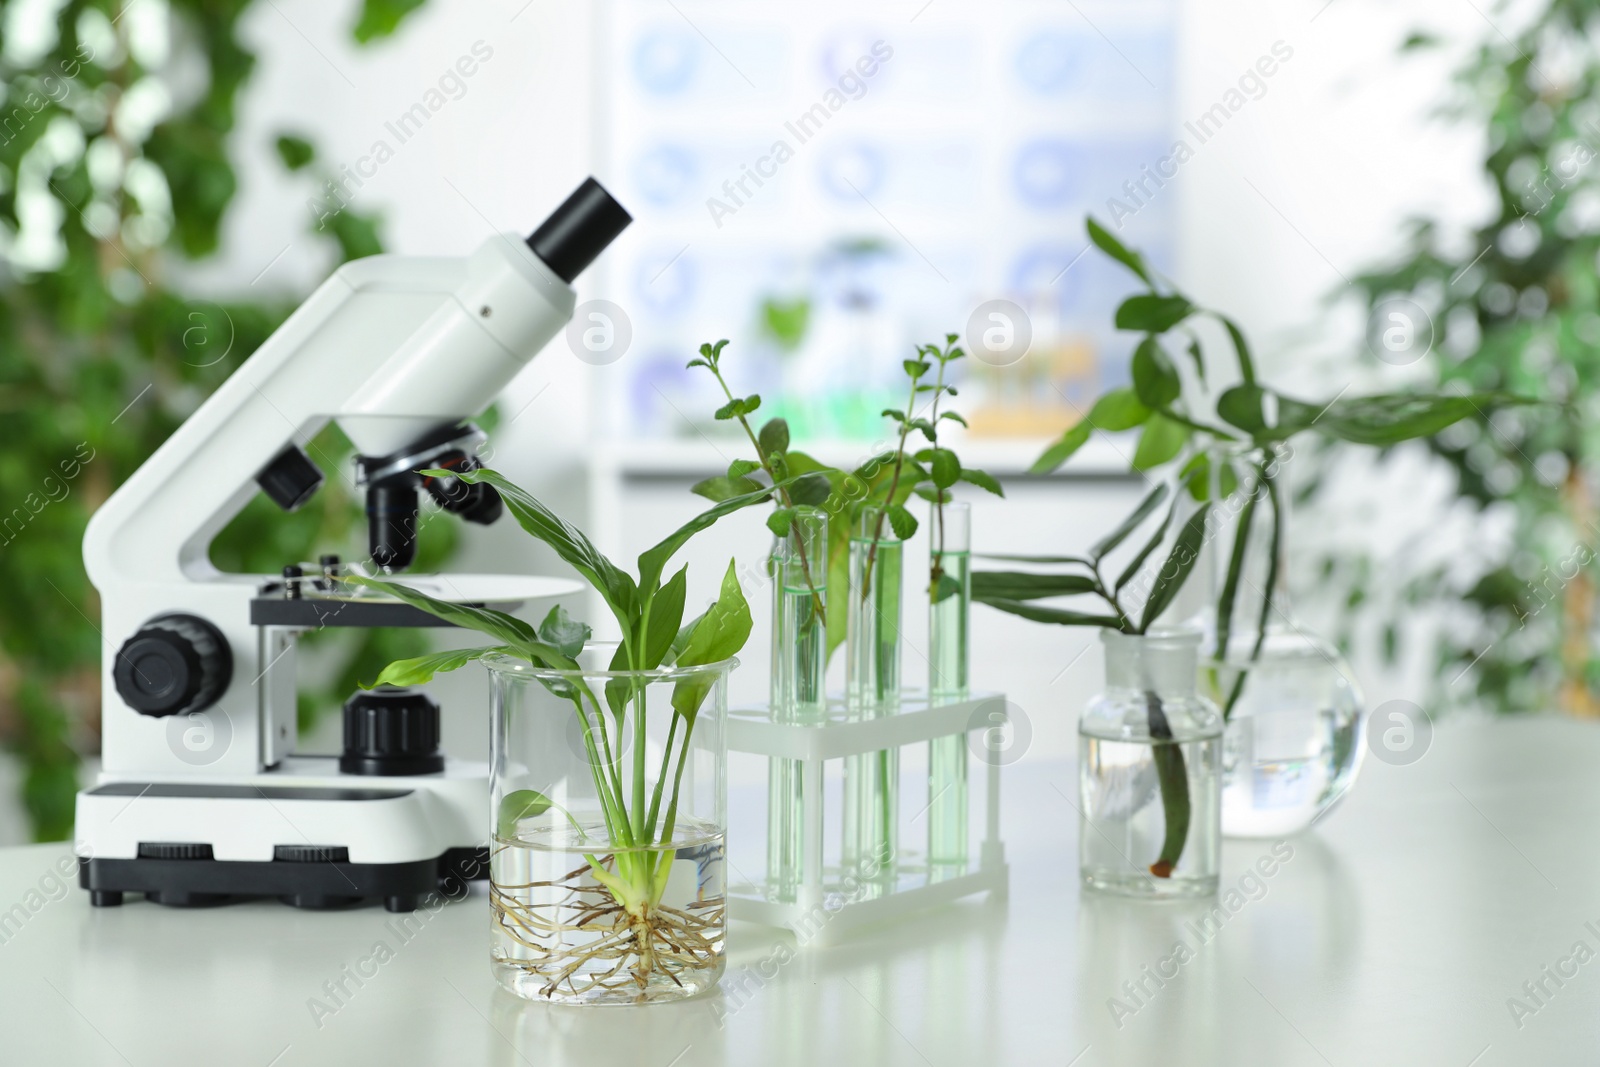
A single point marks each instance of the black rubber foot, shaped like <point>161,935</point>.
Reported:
<point>318,901</point>
<point>173,898</point>
<point>402,903</point>
<point>104,898</point>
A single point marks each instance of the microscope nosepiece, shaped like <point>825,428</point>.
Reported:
<point>579,230</point>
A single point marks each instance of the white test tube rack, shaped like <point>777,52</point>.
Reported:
<point>825,905</point>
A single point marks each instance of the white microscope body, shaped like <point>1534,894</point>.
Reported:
<point>201,796</point>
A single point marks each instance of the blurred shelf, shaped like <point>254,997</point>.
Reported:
<point>695,458</point>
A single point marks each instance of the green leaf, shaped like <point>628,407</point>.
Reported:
<point>1198,358</point>
<point>1114,248</point>
<point>1390,419</point>
<point>1175,571</point>
<point>933,494</point>
<point>722,488</point>
<point>1028,585</point>
<point>946,587</point>
<point>983,480</point>
<point>916,368</point>
<point>1011,557</point>
<point>840,515</point>
<point>738,407</point>
<point>1149,313</point>
<point>1150,546</point>
<point>1159,442</point>
<point>653,560</point>
<point>296,152</point>
<point>1120,409</point>
<point>1241,407</point>
<point>497,624</point>
<point>568,542</point>
<point>517,805</point>
<point>1155,380</point>
<point>1196,477</point>
<point>811,488</point>
<point>1059,616</point>
<point>423,668</point>
<point>953,416</point>
<point>774,437</point>
<point>563,632</point>
<point>1241,350</point>
<point>724,628</point>
<point>902,522</point>
<point>741,467</point>
<point>781,521</point>
<point>1062,450</point>
<point>945,468</point>
<point>666,614</point>
<point>1228,480</point>
<point>380,18</point>
<point>719,635</point>
<point>1236,558</point>
<point>1146,507</point>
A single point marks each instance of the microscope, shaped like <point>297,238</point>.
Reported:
<point>201,797</point>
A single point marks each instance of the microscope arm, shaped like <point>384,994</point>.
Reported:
<point>389,346</point>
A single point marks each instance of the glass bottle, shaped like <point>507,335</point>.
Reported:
<point>872,690</point>
<point>798,693</point>
<point>1294,734</point>
<point>949,614</point>
<point>1149,772</point>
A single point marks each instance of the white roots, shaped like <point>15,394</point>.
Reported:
<point>580,941</point>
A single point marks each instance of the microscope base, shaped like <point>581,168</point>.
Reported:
<point>302,832</point>
<point>193,883</point>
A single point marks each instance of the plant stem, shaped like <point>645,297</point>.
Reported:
<point>817,610</point>
<point>894,486</point>
<point>936,557</point>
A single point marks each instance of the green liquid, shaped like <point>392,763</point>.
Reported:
<point>948,658</point>
<point>947,629</point>
<point>799,661</point>
<point>872,780</point>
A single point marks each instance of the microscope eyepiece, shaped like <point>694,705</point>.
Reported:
<point>579,230</point>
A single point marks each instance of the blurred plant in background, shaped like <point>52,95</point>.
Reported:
<point>1514,310</point>
<point>114,166</point>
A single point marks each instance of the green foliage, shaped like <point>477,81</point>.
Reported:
<point>296,152</point>
<point>797,479</point>
<point>1015,592</point>
<point>1243,429</point>
<point>380,18</point>
<point>1514,305</point>
<point>101,359</point>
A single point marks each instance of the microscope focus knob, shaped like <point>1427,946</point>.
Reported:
<point>391,730</point>
<point>174,665</point>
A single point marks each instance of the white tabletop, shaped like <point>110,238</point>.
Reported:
<point>1395,933</point>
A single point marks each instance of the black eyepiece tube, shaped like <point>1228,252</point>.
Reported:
<point>392,525</point>
<point>579,230</point>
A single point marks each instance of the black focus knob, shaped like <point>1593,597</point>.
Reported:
<point>391,730</point>
<point>174,665</point>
